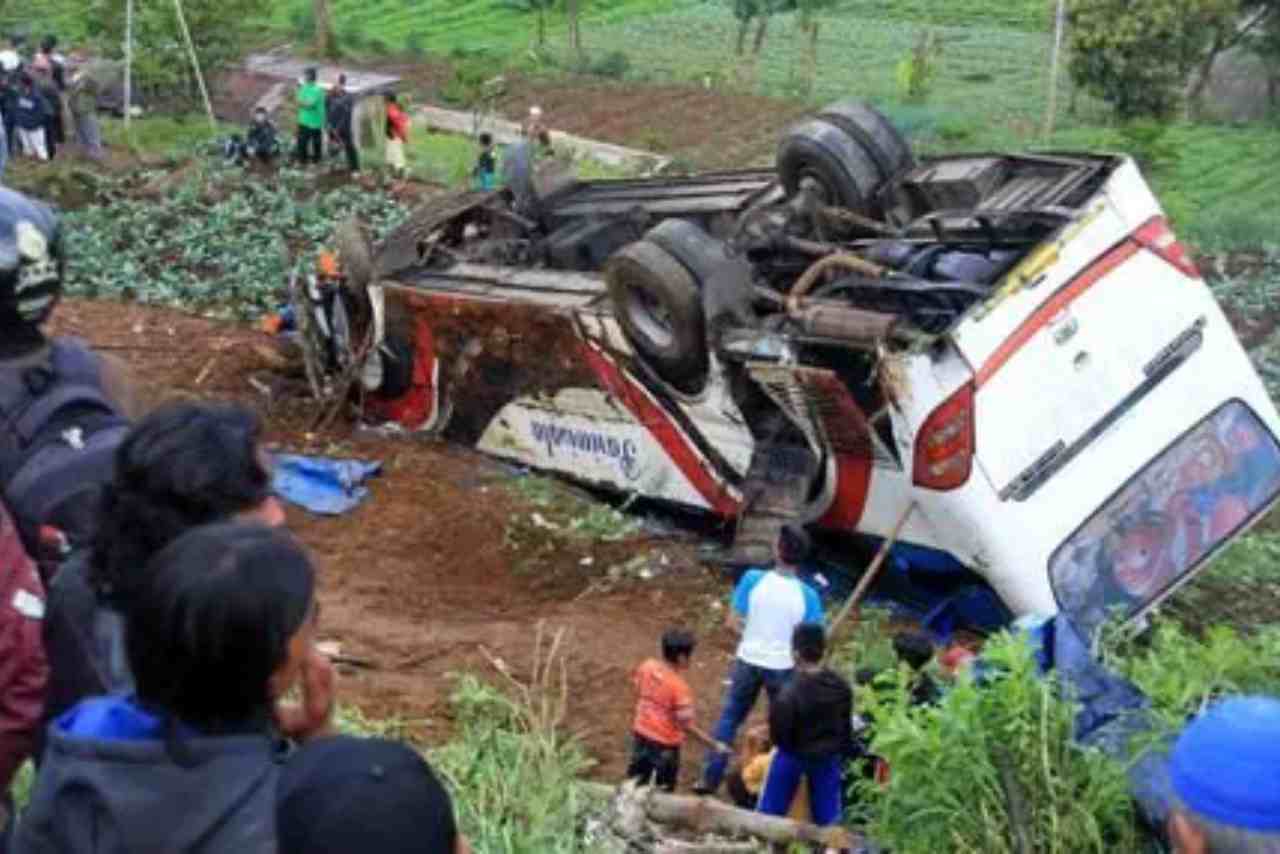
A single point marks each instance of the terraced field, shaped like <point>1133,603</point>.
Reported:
<point>440,26</point>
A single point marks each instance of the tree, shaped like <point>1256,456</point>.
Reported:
<point>1264,42</point>
<point>746,11</point>
<point>1229,24</point>
<point>161,65</point>
<point>1144,56</point>
<point>573,11</point>
<point>808,11</point>
<point>325,43</point>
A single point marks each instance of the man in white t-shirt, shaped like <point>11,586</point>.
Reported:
<point>767,606</point>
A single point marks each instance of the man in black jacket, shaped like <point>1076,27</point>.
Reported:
<point>810,722</point>
<point>339,113</point>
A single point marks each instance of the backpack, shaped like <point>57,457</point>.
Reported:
<point>51,477</point>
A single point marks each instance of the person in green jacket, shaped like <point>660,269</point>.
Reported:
<point>310,118</point>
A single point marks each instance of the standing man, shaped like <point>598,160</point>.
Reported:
<point>811,722</point>
<point>83,98</point>
<point>340,107</point>
<point>52,79</point>
<point>310,118</point>
<point>767,607</point>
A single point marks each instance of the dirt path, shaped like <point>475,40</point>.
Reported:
<point>443,564</point>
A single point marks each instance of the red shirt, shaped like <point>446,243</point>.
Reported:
<point>23,671</point>
<point>664,704</point>
<point>397,123</point>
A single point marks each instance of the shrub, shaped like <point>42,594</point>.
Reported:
<point>916,70</point>
<point>613,65</point>
<point>992,768</point>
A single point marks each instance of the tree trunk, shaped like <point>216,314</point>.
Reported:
<point>743,26</point>
<point>708,815</point>
<point>575,35</point>
<point>324,28</point>
<point>1273,90</point>
<point>812,59</point>
<point>542,26</point>
<point>761,31</point>
<point>1200,82</point>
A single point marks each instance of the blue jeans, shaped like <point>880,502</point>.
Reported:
<point>785,773</point>
<point>745,682</point>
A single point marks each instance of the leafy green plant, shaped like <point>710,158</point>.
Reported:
<point>509,762</point>
<point>219,241</point>
<point>992,768</point>
<point>1181,672</point>
<point>615,64</point>
<point>916,71</point>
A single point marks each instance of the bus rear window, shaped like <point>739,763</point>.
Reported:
<point>1157,529</point>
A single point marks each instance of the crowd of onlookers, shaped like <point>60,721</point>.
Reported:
<point>44,99</point>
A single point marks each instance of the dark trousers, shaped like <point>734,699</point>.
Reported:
<point>53,131</point>
<point>745,682</point>
<point>348,143</point>
<point>309,144</point>
<point>651,761</point>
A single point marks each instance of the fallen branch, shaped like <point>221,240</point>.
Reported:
<point>708,815</point>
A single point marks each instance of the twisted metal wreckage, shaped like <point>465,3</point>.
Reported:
<point>1006,364</point>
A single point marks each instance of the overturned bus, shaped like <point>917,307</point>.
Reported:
<point>1006,361</point>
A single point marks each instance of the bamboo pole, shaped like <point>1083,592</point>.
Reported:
<point>1060,23</point>
<point>195,64</point>
<point>864,583</point>
<point>128,67</point>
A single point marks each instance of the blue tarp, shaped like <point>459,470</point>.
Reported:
<point>322,485</point>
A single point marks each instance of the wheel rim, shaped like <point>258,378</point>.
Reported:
<point>824,193</point>
<point>650,316</point>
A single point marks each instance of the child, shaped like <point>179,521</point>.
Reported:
<point>664,713</point>
<point>486,164</point>
<point>397,135</point>
<point>810,722</point>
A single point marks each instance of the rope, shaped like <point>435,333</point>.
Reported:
<point>195,64</point>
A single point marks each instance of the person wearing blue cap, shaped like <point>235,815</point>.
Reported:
<point>1224,772</point>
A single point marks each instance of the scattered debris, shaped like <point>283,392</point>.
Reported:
<point>322,485</point>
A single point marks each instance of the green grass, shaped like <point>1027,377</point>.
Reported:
<point>164,135</point>
<point>1220,186</point>
<point>448,159</point>
<point>440,26</point>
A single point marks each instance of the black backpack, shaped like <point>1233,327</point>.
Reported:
<point>58,437</point>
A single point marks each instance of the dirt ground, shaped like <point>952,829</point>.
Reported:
<point>439,570</point>
<point>708,128</point>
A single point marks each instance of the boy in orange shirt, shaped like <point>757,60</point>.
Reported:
<point>664,713</point>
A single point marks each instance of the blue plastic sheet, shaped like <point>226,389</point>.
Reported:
<point>323,485</point>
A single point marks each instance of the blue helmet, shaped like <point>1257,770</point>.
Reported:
<point>32,261</point>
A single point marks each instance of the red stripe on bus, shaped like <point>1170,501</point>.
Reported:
<point>1063,298</point>
<point>664,429</point>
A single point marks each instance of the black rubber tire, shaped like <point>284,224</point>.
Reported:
<point>875,133</point>
<point>658,304</point>
<point>849,178</point>
<point>699,252</point>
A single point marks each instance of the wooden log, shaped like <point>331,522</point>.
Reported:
<point>708,815</point>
